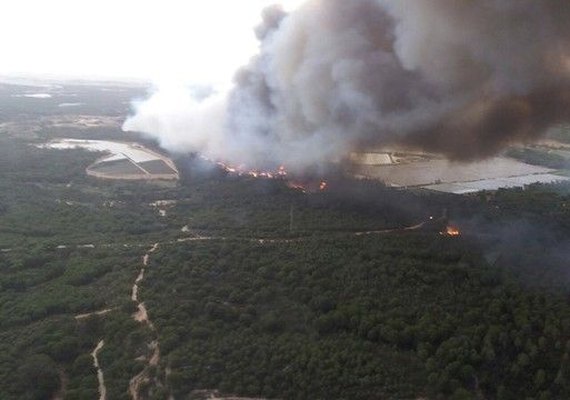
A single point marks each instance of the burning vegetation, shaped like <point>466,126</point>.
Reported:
<point>451,230</point>
<point>242,170</point>
<point>300,183</point>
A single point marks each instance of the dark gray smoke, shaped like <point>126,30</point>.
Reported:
<point>460,78</point>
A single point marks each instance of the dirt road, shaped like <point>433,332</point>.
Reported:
<point>100,378</point>
<point>141,316</point>
<point>98,313</point>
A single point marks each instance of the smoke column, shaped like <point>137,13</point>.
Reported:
<point>459,78</point>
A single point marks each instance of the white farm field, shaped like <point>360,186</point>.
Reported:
<point>123,160</point>
<point>461,178</point>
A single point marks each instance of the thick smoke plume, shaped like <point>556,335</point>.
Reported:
<point>460,78</point>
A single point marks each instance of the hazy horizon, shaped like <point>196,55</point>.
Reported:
<point>192,42</point>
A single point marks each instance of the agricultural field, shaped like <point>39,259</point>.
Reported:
<point>121,160</point>
<point>461,178</point>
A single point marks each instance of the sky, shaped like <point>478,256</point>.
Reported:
<point>195,41</point>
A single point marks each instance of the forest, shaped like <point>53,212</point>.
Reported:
<point>258,289</point>
<point>375,318</point>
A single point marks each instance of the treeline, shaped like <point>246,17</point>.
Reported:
<point>542,157</point>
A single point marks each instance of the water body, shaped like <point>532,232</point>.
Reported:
<point>124,161</point>
<point>446,176</point>
<point>67,105</point>
<point>118,150</point>
<point>35,95</point>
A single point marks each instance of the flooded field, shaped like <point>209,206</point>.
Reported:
<point>65,105</point>
<point>451,177</point>
<point>34,95</point>
<point>495,184</point>
<point>130,161</point>
<point>119,150</point>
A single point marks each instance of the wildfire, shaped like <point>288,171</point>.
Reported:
<point>242,170</point>
<point>296,186</point>
<point>279,173</point>
<point>451,231</point>
<point>308,186</point>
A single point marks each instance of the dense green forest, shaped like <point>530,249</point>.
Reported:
<point>375,318</point>
<point>257,289</point>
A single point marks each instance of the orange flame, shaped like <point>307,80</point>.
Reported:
<point>279,173</point>
<point>451,231</point>
<point>242,170</point>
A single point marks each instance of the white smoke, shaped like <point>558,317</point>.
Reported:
<point>180,122</point>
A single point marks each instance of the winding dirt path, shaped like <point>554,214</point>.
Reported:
<point>141,316</point>
<point>100,378</point>
<point>396,230</point>
<point>98,313</point>
<point>199,238</point>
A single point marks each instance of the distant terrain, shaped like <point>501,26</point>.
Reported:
<point>224,286</point>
